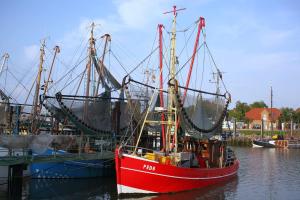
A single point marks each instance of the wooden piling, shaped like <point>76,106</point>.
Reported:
<point>15,181</point>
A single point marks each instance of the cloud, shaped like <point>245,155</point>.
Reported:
<point>31,52</point>
<point>131,14</point>
<point>139,13</point>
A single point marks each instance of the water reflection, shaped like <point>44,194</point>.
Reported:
<point>263,174</point>
<point>99,188</point>
<point>268,173</point>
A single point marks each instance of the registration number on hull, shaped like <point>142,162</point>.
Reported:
<point>148,167</point>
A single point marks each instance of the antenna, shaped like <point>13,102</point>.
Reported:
<point>174,11</point>
<point>92,26</point>
<point>217,76</point>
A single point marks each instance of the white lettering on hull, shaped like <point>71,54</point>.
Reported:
<point>149,167</point>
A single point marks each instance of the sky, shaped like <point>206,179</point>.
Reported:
<point>255,43</point>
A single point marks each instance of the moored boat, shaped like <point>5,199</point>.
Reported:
<point>282,143</point>
<point>264,143</point>
<point>141,175</point>
<point>71,168</point>
<point>187,156</point>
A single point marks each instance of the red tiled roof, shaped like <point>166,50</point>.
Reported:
<point>255,113</point>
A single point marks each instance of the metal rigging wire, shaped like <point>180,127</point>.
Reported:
<point>75,66</point>
<point>112,53</point>
<point>203,69</point>
<point>166,51</point>
<point>65,86</point>
<point>188,60</point>
<point>18,81</point>
<point>126,51</point>
<point>152,47</point>
<point>186,41</point>
<point>77,50</point>
<point>21,80</point>
<point>71,70</point>
<point>29,93</point>
<point>138,65</point>
<point>218,70</point>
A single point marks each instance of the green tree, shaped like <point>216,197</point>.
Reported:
<point>297,115</point>
<point>287,114</point>
<point>239,111</point>
<point>258,104</point>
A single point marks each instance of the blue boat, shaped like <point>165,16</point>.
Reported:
<point>72,169</point>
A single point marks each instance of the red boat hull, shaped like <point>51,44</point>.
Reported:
<point>139,175</point>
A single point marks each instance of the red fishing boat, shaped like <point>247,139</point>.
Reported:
<point>140,175</point>
<point>183,159</point>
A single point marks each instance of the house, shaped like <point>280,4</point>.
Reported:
<point>231,124</point>
<point>257,116</point>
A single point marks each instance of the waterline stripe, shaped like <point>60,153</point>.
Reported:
<point>179,177</point>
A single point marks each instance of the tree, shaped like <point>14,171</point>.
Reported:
<point>239,111</point>
<point>297,115</point>
<point>287,114</point>
<point>258,104</point>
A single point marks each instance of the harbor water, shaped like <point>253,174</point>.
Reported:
<point>263,174</point>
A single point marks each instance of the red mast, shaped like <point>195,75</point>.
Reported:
<point>200,26</point>
<point>161,96</point>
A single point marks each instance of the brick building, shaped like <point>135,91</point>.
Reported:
<point>256,115</point>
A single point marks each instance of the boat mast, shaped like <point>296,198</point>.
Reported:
<point>200,26</point>
<point>2,94</point>
<point>271,111</point>
<point>5,58</point>
<point>161,96</point>
<point>91,52</point>
<point>171,125</point>
<point>37,89</point>
<point>56,51</point>
<point>101,71</point>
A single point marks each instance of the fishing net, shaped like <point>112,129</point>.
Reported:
<point>15,141</point>
<point>198,112</point>
<point>52,106</point>
<point>40,143</point>
<point>63,141</point>
<point>202,113</point>
<point>96,114</point>
<point>37,143</point>
<point>91,115</point>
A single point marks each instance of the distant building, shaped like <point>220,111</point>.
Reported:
<point>231,124</point>
<point>256,115</point>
